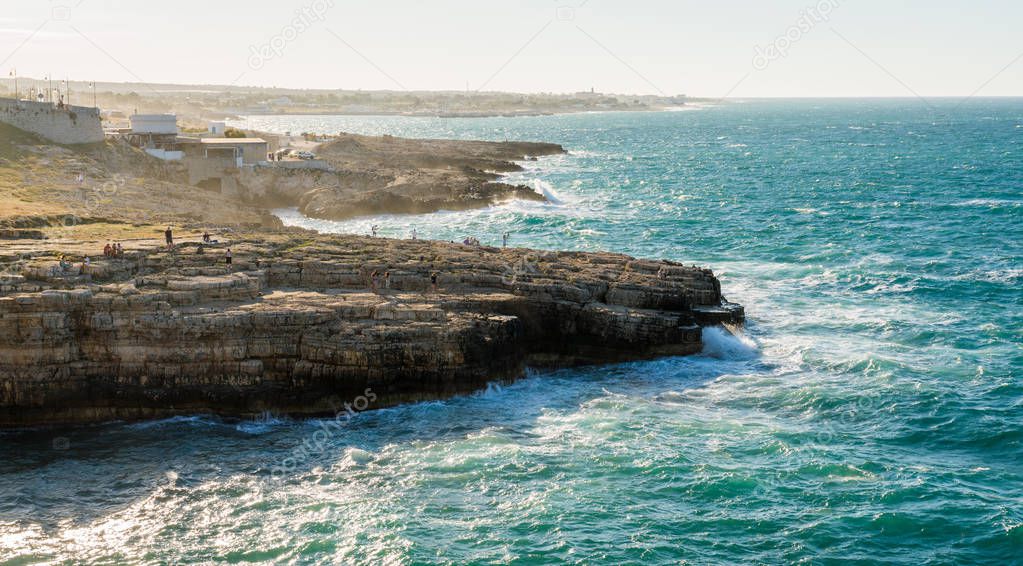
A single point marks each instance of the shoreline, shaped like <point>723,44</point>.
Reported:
<point>372,175</point>
<point>236,120</point>
<point>300,322</point>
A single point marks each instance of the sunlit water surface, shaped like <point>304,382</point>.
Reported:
<point>873,411</point>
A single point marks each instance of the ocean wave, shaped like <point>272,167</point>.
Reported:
<point>259,425</point>
<point>1008,275</point>
<point>719,343</point>
<point>193,420</point>
<point>988,203</point>
<point>545,189</point>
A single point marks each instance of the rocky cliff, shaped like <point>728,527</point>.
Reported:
<point>295,325</point>
<point>371,175</point>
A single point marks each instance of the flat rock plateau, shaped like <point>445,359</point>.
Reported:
<point>294,326</point>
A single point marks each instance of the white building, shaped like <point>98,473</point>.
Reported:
<point>217,128</point>
<point>158,124</point>
<point>156,134</point>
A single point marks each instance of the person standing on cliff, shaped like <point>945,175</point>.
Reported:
<point>504,239</point>
<point>414,233</point>
<point>168,235</point>
<point>433,281</point>
<point>228,256</point>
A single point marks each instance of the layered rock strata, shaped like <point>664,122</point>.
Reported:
<point>295,325</point>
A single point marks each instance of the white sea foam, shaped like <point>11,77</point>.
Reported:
<point>492,391</point>
<point>721,344</point>
<point>546,189</point>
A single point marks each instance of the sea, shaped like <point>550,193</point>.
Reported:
<point>871,412</point>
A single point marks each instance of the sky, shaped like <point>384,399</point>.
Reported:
<point>726,48</point>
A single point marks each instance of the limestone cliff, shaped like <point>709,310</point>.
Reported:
<point>371,175</point>
<point>294,326</point>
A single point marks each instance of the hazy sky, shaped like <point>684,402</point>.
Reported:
<point>701,48</point>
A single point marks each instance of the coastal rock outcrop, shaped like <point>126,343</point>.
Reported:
<point>388,175</point>
<point>301,324</point>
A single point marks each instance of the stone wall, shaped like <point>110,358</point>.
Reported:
<point>68,125</point>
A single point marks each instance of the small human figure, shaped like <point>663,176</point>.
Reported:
<point>374,280</point>
<point>373,230</point>
<point>228,256</point>
<point>433,281</point>
<point>199,250</point>
<point>387,280</point>
<point>414,235</point>
<point>119,249</point>
<point>206,237</point>
<point>504,240</point>
<point>108,250</point>
<point>168,235</point>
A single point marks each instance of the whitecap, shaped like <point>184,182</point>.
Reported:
<point>719,343</point>
<point>544,188</point>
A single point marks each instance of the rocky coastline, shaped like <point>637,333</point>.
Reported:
<point>371,175</point>
<point>299,324</point>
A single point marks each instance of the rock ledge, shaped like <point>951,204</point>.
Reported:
<point>295,327</point>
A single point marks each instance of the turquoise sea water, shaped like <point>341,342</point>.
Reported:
<point>873,412</point>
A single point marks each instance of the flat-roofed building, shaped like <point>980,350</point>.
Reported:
<point>159,124</point>
<point>247,151</point>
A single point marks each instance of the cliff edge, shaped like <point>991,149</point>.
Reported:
<point>300,325</point>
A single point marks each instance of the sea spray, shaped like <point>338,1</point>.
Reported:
<point>723,344</point>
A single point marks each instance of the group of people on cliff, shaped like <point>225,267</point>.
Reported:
<point>113,250</point>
